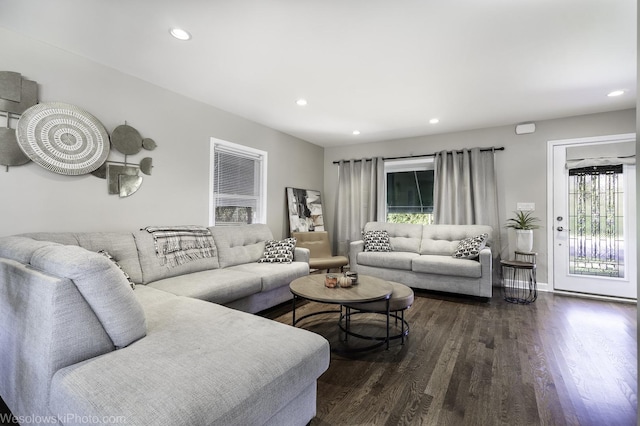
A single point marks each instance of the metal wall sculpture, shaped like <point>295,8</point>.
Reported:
<point>65,139</point>
<point>124,178</point>
<point>17,94</point>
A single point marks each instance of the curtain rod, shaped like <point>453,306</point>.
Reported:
<point>423,155</point>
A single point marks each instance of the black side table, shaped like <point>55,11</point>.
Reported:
<point>519,283</point>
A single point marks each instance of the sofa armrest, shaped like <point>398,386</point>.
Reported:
<point>355,247</point>
<point>486,263</point>
<point>485,258</point>
<point>301,254</point>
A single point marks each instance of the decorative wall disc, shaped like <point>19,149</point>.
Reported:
<point>63,138</point>
<point>126,139</point>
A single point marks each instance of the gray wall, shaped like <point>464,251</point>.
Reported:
<point>522,166</point>
<point>34,199</point>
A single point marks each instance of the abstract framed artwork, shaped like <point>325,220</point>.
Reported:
<point>305,210</point>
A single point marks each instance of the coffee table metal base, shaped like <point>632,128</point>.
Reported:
<point>345,316</point>
<point>404,325</point>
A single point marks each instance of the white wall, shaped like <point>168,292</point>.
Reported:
<point>521,167</point>
<point>34,199</point>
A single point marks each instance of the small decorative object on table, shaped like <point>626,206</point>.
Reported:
<point>344,281</point>
<point>331,281</point>
<point>524,223</point>
<point>353,276</point>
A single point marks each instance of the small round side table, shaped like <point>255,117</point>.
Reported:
<point>526,256</point>
<point>519,283</point>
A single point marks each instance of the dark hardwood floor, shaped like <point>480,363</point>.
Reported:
<point>559,361</point>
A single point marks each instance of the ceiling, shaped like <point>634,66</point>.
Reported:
<point>383,67</point>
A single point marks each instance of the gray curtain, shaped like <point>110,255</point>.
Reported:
<point>465,191</point>
<point>358,200</point>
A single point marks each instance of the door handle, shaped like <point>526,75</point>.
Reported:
<point>560,228</point>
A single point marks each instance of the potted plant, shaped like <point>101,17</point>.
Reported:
<point>524,223</point>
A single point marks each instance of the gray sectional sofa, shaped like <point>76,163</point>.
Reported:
<point>78,345</point>
<point>421,257</point>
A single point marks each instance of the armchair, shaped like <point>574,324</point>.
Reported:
<point>320,256</point>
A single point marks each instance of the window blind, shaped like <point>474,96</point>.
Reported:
<point>237,188</point>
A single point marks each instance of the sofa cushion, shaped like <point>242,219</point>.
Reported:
<point>215,285</point>
<point>240,244</point>
<point>278,251</point>
<point>120,245</point>
<point>391,260</point>
<point>66,238</point>
<point>274,276</point>
<point>402,236</point>
<point>376,241</point>
<point>152,266</point>
<point>446,265</point>
<point>469,248</point>
<point>21,248</point>
<point>444,239</point>
<point>102,285</point>
<point>218,366</point>
<point>108,256</point>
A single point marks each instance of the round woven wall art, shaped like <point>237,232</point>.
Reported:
<point>63,138</point>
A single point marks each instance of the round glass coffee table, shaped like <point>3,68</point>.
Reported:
<point>368,289</point>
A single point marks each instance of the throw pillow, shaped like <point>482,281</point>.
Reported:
<point>376,241</point>
<point>108,256</point>
<point>278,251</point>
<point>469,248</point>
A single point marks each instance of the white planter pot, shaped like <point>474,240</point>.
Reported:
<point>524,240</point>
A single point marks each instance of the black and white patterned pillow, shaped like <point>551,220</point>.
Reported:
<point>108,256</point>
<point>469,248</point>
<point>376,241</point>
<point>278,251</point>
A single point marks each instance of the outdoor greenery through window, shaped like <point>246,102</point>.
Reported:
<point>238,184</point>
<point>409,191</point>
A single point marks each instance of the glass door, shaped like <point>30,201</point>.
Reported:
<point>593,227</point>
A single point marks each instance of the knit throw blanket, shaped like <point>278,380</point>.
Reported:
<point>177,245</point>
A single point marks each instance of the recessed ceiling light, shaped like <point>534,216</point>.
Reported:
<point>301,102</point>
<point>434,121</point>
<point>356,132</point>
<point>616,93</point>
<point>180,34</point>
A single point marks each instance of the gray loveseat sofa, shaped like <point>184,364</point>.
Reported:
<point>78,345</point>
<point>421,257</point>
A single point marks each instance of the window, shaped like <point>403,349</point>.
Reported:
<point>238,184</point>
<point>596,228</point>
<point>409,190</point>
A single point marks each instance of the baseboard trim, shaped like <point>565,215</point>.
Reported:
<point>545,287</point>
<point>594,296</point>
<point>549,289</point>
